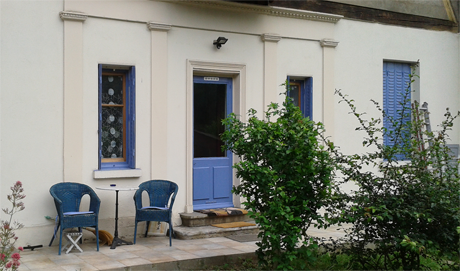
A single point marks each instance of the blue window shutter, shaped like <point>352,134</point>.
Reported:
<point>396,80</point>
<point>307,98</point>
<point>131,116</point>
<point>99,151</point>
<point>288,81</point>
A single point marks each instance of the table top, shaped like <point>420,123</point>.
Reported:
<point>117,188</point>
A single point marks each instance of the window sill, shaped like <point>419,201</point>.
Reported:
<point>120,173</point>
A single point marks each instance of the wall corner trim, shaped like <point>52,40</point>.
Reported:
<point>270,37</point>
<point>329,43</point>
<point>73,15</point>
<point>158,26</point>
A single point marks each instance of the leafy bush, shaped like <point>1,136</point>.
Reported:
<point>401,210</point>
<point>285,179</point>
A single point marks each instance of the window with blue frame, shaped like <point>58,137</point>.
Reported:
<point>116,117</point>
<point>300,92</point>
<point>396,101</point>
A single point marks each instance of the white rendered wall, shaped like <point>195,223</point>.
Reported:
<point>31,109</point>
<point>359,65</point>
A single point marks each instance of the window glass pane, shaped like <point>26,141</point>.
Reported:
<point>209,110</point>
<point>112,89</point>
<point>294,94</point>
<point>112,132</point>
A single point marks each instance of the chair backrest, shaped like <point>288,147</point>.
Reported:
<point>70,195</point>
<point>159,191</point>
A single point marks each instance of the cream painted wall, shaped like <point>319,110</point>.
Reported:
<point>359,58</point>
<point>31,109</point>
<point>31,101</point>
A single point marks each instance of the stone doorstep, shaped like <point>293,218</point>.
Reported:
<point>196,219</point>
<point>197,226</point>
<point>187,233</point>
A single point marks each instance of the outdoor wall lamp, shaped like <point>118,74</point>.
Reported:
<point>219,42</point>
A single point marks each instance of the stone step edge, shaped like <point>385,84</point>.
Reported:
<point>196,219</point>
<point>187,233</point>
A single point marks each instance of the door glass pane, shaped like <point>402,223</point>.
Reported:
<point>209,103</point>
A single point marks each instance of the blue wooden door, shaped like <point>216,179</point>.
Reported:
<point>212,167</point>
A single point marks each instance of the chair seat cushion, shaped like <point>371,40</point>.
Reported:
<point>78,213</point>
<point>154,208</point>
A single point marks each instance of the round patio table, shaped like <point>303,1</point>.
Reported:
<point>117,241</point>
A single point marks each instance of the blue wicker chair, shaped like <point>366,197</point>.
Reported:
<point>67,198</point>
<point>160,193</point>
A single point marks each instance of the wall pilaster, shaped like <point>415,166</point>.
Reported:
<point>328,100</point>
<point>73,95</point>
<point>159,100</point>
<point>270,92</point>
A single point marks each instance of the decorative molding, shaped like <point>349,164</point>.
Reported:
<point>329,43</point>
<point>73,15</point>
<point>270,37</point>
<point>272,11</point>
<point>158,26</point>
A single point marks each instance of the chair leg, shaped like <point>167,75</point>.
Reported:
<point>97,237</point>
<point>147,228</point>
<point>81,239</point>
<point>54,235</point>
<point>60,241</point>
<point>170,232</point>
<point>135,231</point>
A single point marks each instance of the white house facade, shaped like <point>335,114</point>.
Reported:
<point>64,117</point>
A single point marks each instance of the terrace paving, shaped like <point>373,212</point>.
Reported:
<point>151,253</point>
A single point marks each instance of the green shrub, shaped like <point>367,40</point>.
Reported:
<point>285,179</point>
<point>402,211</point>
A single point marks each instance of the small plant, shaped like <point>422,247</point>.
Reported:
<point>285,176</point>
<point>9,256</point>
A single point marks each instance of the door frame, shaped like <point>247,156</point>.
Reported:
<point>220,69</point>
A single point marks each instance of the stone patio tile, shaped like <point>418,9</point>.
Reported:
<point>77,267</point>
<point>196,241</point>
<point>23,267</point>
<point>66,259</point>
<point>246,248</point>
<point>134,247</point>
<point>42,265</point>
<point>94,257</point>
<point>230,243</point>
<point>146,254</point>
<point>217,239</point>
<point>134,261</point>
<point>190,247</point>
<point>107,264</point>
<point>121,255</point>
<point>33,256</point>
<point>165,249</point>
<point>227,251</point>
<point>184,256</point>
<point>205,253</point>
<point>213,246</point>
<point>161,259</point>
